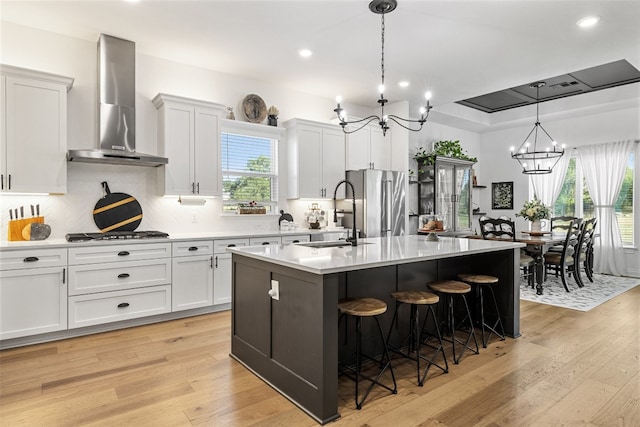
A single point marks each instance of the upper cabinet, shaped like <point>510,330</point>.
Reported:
<point>316,158</point>
<point>369,149</point>
<point>33,131</point>
<point>189,136</point>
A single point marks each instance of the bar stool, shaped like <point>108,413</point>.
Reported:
<point>481,282</point>
<point>415,337</point>
<point>449,289</point>
<point>359,308</point>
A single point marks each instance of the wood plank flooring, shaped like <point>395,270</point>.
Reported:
<point>567,368</point>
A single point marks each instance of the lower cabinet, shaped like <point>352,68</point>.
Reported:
<point>32,301</point>
<point>110,283</point>
<point>287,240</point>
<point>222,269</point>
<point>104,307</point>
<point>193,275</point>
<point>222,278</point>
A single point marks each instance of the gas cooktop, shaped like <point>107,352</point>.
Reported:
<point>115,235</point>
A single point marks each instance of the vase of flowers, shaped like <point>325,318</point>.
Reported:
<point>534,211</point>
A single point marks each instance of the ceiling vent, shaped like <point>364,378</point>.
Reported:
<point>604,76</point>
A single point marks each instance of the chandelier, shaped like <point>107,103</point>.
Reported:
<point>536,159</point>
<point>383,7</point>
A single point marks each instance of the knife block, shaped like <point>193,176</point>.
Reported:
<point>17,225</point>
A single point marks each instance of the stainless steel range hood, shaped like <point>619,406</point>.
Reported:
<point>117,116</point>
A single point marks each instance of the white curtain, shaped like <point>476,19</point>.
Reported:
<point>604,166</point>
<point>547,187</point>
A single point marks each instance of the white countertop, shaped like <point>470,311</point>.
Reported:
<point>379,252</point>
<point>175,237</point>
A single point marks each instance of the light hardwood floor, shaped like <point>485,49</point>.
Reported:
<point>567,368</point>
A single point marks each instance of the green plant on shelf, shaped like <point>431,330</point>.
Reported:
<point>444,148</point>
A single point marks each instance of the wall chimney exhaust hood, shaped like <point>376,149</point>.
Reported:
<point>117,115</point>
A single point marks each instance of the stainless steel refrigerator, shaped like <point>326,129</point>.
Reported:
<point>380,202</point>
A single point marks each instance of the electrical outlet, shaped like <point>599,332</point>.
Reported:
<point>274,292</point>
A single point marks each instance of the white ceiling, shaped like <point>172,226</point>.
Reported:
<point>457,49</point>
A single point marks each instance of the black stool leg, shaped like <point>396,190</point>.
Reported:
<point>492,329</point>
<point>438,349</point>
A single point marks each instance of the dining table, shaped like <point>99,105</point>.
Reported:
<point>536,243</point>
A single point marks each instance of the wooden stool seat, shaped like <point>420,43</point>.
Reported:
<point>415,297</point>
<point>478,279</point>
<point>362,307</point>
<point>450,287</point>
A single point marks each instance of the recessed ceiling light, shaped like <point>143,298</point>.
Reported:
<point>588,21</point>
<point>305,53</point>
<point>403,83</point>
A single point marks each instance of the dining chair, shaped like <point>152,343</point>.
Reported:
<point>585,256</point>
<point>560,224</point>
<point>505,228</point>
<point>564,263</point>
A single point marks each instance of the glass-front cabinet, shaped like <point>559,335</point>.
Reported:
<point>445,190</point>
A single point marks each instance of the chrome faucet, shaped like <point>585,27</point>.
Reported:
<point>354,234</point>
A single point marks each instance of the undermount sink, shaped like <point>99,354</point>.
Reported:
<point>329,244</point>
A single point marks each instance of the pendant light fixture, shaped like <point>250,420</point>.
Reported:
<point>382,7</point>
<point>536,157</point>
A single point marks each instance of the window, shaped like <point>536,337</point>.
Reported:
<point>249,171</point>
<point>574,198</point>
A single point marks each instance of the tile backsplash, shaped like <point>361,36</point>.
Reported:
<point>73,212</point>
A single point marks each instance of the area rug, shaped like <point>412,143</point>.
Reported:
<point>602,289</point>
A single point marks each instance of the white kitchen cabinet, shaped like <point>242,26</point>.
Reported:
<point>33,292</point>
<point>106,307</point>
<point>316,158</point>
<point>109,283</point>
<point>189,136</point>
<point>368,148</point>
<point>192,269</point>
<point>271,240</point>
<point>222,269</point>
<point>287,240</point>
<point>33,131</point>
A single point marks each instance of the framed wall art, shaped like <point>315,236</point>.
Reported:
<point>502,195</point>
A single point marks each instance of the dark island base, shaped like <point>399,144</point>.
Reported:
<point>293,343</point>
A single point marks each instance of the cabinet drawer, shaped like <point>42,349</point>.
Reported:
<point>265,241</point>
<point>115,253</point>
<point>220,246</point>
<point>196,247</point>
<point>286,240</point>
<point>33,258</point>
<point>92,278</point>
<point>95,309</point>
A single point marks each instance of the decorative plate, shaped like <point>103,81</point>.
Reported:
<point>254,108</point>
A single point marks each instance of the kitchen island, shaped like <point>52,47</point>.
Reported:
<point>284,304</point>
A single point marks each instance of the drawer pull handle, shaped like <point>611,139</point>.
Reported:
<point>123,253</point>
<point>123,275</point>
<point>31,259</point>
<point>296,241</point>
<point>123,305</point>
<point>193,248</point>
<point>265,243</point>
<point>231,245</point>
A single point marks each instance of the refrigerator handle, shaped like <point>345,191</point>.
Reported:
<point>387,206</point>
